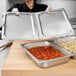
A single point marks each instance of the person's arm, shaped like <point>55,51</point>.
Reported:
<point>14,9</point>
<point>14,6</point>
<point>46,8</point>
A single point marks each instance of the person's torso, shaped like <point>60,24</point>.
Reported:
<point>24,8</point>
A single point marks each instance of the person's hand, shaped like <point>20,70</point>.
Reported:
<point>48,10</point>
<point>15,10</point>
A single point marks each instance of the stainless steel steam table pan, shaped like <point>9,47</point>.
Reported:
<point>68,42</point>
<point>51,62</point>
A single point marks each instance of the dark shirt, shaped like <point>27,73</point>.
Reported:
<point>24,8</point>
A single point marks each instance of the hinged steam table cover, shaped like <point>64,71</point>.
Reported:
<point>33,26</point>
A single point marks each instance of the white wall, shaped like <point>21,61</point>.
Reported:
<point>9,3</point>
<point>2,9</point>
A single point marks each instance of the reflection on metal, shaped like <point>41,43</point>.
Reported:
<point>37,25</point>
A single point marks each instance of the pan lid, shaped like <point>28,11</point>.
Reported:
<point>18,27</point>
<point>54,24</point>
<point>35,26</point>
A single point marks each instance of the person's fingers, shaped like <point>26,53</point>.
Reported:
<point>48,10</point>
<point>17,13</point>
<point>15,10</point>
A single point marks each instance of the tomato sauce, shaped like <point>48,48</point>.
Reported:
<point>45,52</point>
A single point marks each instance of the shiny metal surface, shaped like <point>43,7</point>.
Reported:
<point>18,27</point>
<point>62,39</point>
<point>55,24</point>
<point>33,26</point>
<point>51,62</point>
<point>65,39</point>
